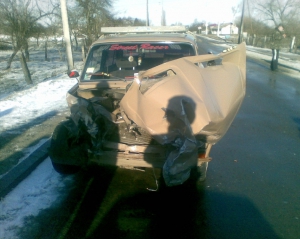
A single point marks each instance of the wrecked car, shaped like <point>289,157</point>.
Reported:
<point>148,99</point>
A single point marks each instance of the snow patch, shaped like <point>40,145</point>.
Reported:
<point>40,190</point>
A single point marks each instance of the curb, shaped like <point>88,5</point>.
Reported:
<point>23,169</point>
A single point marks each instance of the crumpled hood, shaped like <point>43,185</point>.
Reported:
<point>208,97</point>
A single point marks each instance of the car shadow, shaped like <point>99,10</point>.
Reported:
<point>186,211</point>
<point>110,207</point>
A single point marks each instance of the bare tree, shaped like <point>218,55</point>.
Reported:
<point>77,22</point>
<point>257,27</point>
<point>20,20</point>
<point>278,11</point>
<point>95,14</point>
<point>274,12</point>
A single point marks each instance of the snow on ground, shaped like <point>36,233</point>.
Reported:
<point>24,106</point>
<point>287,58</point>
<point>42,188</point>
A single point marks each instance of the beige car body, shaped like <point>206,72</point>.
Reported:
<point>191,101</point>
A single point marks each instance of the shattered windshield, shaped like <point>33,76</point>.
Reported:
<point>113,61</point>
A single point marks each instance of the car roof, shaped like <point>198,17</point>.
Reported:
<point>147,37</point>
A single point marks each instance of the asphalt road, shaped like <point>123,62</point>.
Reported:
<point>252,188</point>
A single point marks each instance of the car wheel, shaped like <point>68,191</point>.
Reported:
<point>67,150</point>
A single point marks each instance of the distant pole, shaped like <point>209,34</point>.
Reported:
<point>64,16</point>
<point>147,21</point>
<point>242,24</point>
<point>163,15</point>
<point>292,44</point>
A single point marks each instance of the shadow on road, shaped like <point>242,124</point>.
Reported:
<point>184,212</point>
<point>282,65</point>
<point>117,205</point>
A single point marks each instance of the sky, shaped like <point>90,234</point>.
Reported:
<point>183,11</point>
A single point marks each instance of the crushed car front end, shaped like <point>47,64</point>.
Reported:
<point>150,104</point>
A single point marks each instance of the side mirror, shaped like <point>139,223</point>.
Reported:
<point>73,74</point>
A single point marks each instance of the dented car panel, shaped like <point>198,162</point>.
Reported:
<point>210,97</point>
<point>127,113</point>
<point>189,101</point>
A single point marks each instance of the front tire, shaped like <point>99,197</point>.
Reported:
<point>67,148</point>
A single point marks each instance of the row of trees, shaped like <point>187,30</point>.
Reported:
<point>20,21</point>
<point>25,19</point>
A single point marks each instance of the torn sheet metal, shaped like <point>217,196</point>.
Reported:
<point>180,99</point>
<point>87,111</point>
<point>213,95</point>
<point>183,156</point>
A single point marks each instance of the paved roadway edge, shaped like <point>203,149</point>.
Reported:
<point>12,178</point>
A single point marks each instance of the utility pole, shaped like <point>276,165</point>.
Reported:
<point>64,16</point>
<point>242,24</point>
<point>163,15</point>
<point>147,20</point>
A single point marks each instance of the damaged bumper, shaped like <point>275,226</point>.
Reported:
<point>168,118</point>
